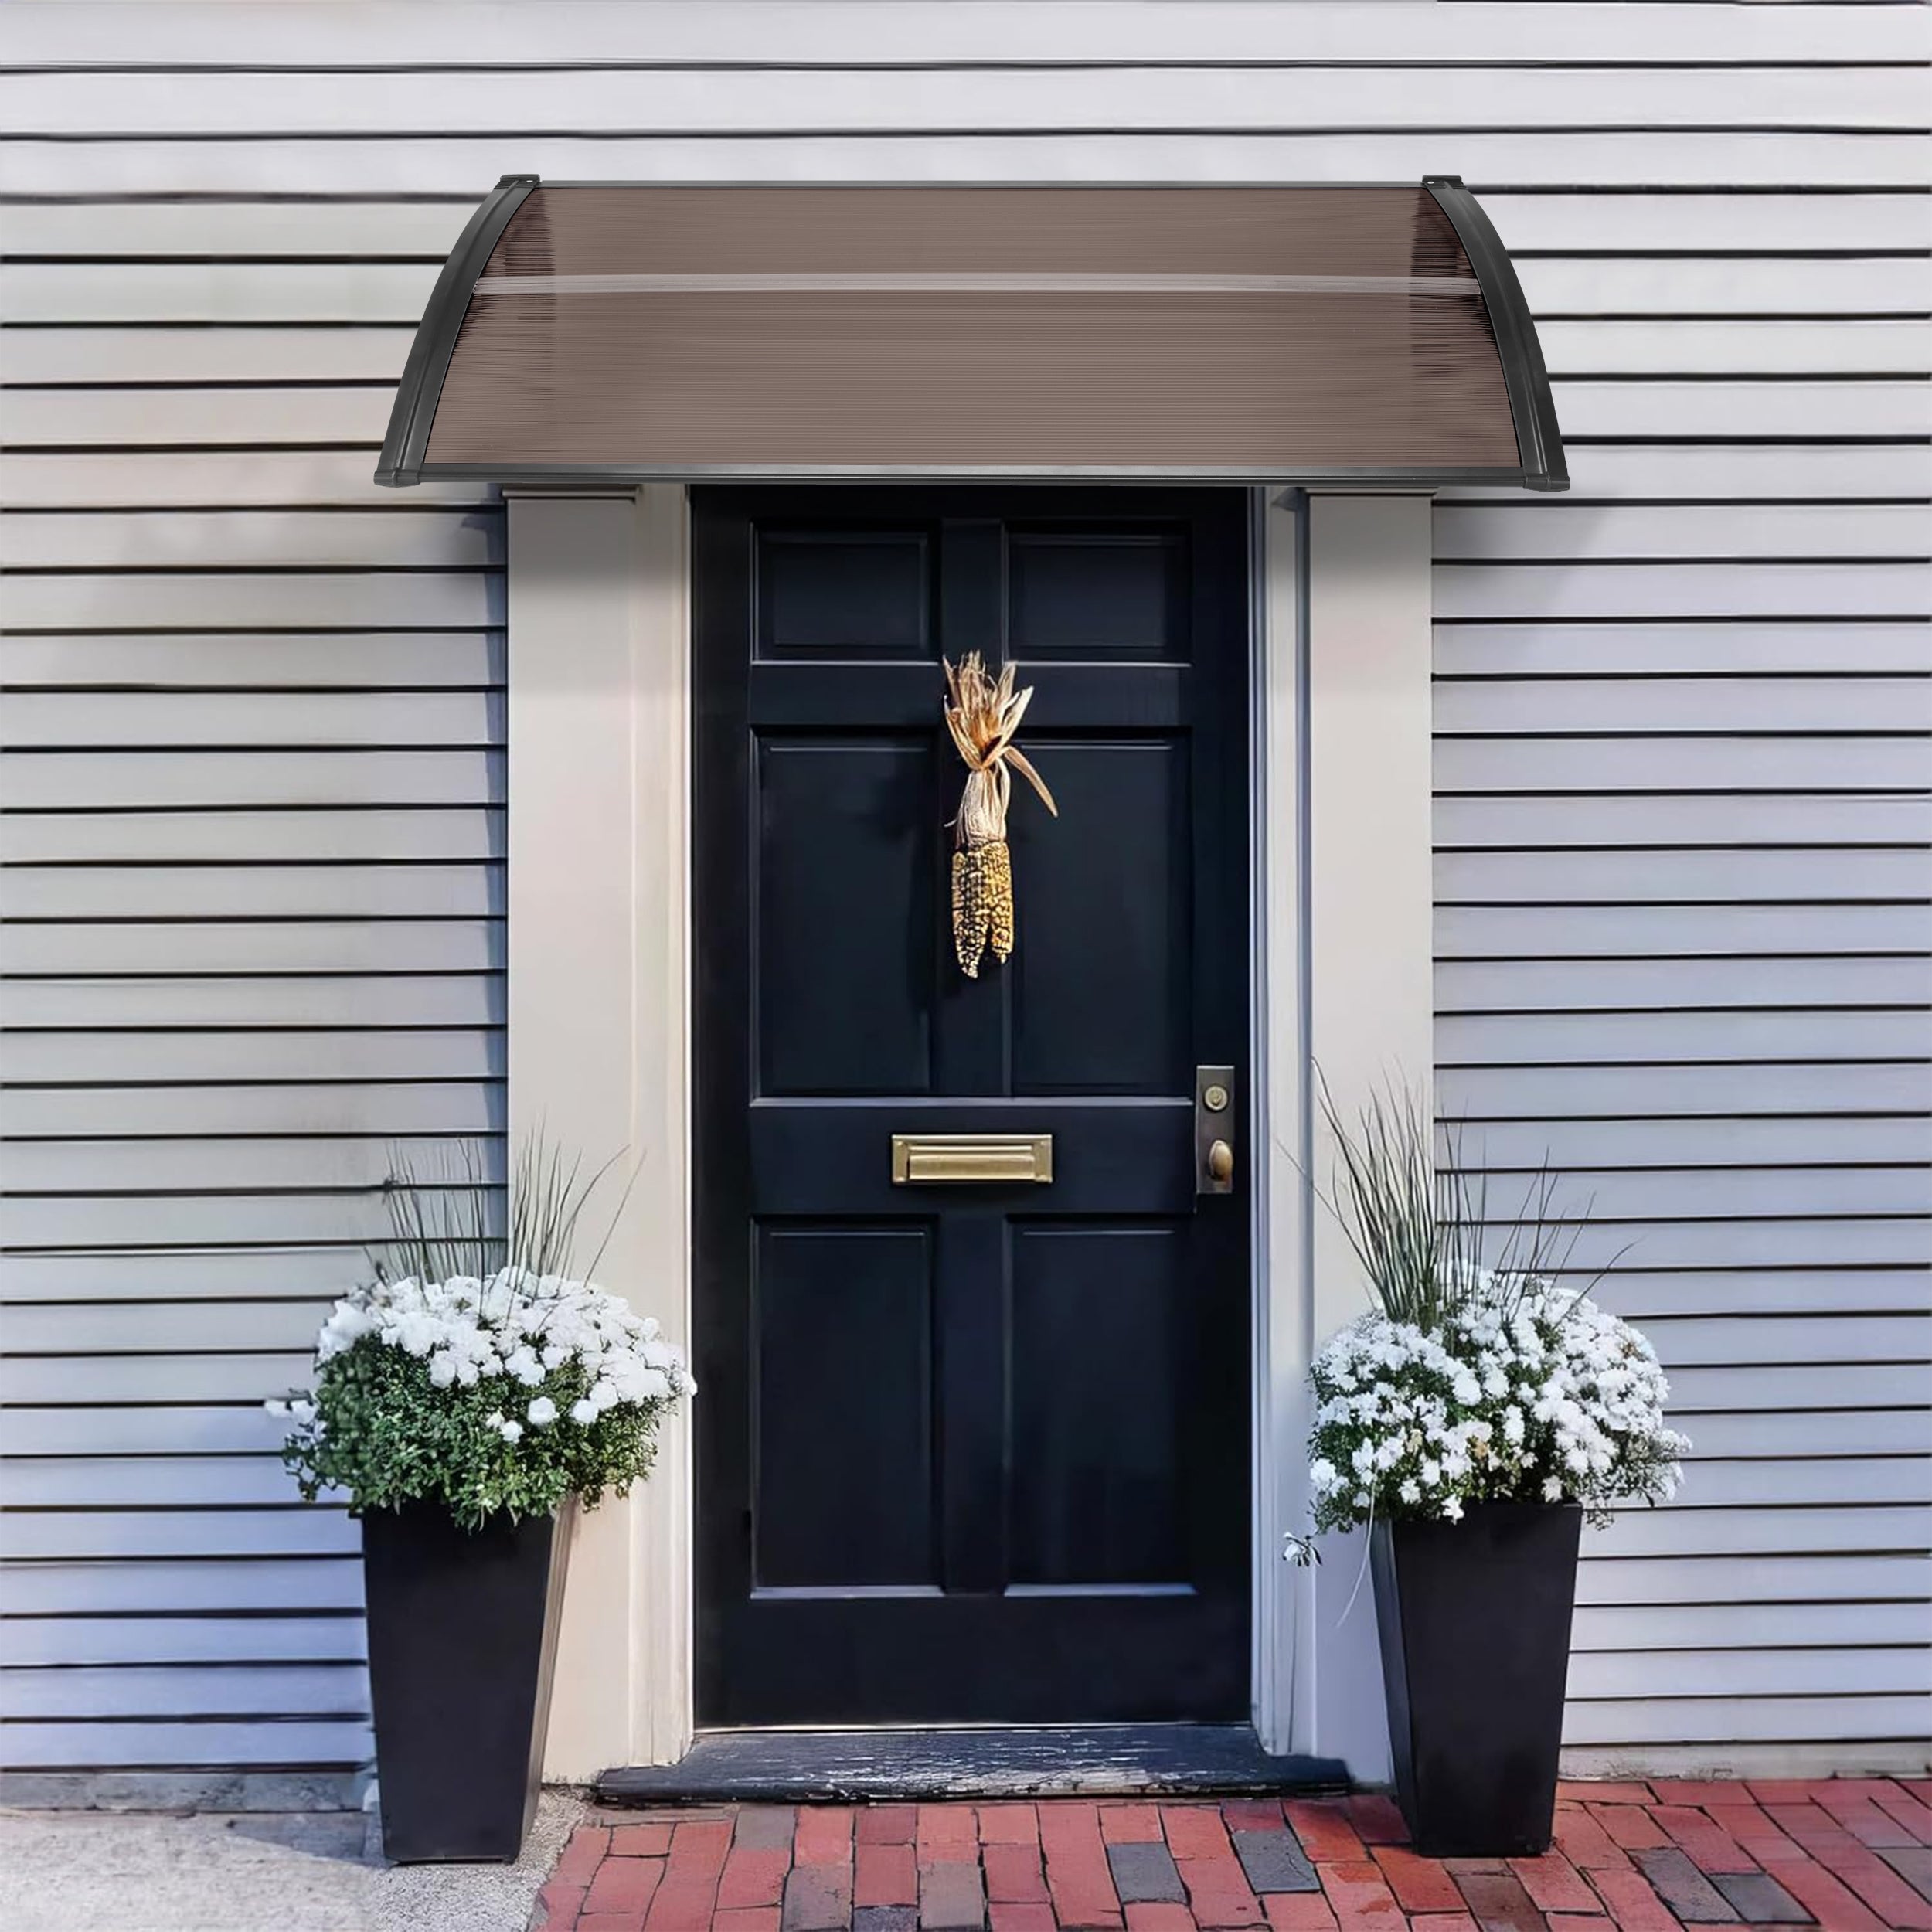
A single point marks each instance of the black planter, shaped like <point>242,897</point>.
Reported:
<point>1475,1622</point>
<point>462,1647</point>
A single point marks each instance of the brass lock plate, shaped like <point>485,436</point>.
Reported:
<point>1214,1137</point>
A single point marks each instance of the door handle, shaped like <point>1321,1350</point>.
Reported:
<point>1214,1130</point>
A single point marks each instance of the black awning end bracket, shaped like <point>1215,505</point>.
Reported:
<point>1540,440</point>
<point>414,412</point>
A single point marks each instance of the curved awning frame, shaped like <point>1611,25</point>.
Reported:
<point>405,459</point>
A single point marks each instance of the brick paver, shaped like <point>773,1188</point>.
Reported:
<point>1850,1855</point>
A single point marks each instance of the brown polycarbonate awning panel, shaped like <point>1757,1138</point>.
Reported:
<point>1265,334</point>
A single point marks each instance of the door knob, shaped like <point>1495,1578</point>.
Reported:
<point>1215,1126</point>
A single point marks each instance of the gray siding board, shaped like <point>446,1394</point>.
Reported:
<point>252,787</point>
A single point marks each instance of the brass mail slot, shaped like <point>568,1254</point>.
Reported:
<point>919,1158</point>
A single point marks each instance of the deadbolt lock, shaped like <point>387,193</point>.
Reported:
<point>1214,1130</point>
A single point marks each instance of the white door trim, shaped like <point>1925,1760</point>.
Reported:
<point>599,959</point>
<point>1278,925</point>
<point>599,912</point>
<point>1343,897</point>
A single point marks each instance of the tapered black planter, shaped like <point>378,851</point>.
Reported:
<point>1474,1621</point>
<point>462,1647</point>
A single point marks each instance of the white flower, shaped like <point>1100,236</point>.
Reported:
<point>583,1411</point>
<point>1526,1391</point>
<point>414,1331</point>
<point>466,1330</point>
<point>348,1321</point>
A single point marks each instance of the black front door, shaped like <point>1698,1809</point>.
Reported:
<point>969,1452</point>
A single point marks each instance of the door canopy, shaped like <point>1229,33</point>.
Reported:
<point>1342,336</point>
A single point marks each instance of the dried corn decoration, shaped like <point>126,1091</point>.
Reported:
<point>983,714</point>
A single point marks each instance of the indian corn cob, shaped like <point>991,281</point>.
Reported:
<point>982,714</point>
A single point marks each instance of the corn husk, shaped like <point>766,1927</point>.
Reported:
<point>982,715</point>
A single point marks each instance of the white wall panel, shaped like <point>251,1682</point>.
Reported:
<point>1633,155</point>
<point>267,1691</point>
<point>472,1108</point>
<point>230,1272</point>
<point>79,291</point>
<point>335,32</point>
<point>141,479</point>
<point>1674,589</point>
<point>137,1743</point>
<point>1732,345</point>
<point>1746,472</point>
<point>255,944</point>
<point>389,999</point>
<point>1615,533</point>
<point>94,719</point>
<point>265,892</point>
<point>1666,932</point>
<point>762,101</point>
<point>297,1529</point>
<point>156,779</point>
<point>252,794</point>
<point>210,660</point>
<point>262,1054</point>
<point>89,353</point>
<point>1850,645</point>
<point>180,1640</point>
<point>1555,223</point>
<point>406,537</point>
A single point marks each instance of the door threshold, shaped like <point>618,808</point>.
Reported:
<point>805,1768</point>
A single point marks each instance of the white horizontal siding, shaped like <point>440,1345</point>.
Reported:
<point>1684,862</point>
<point>254,789</point>
<point>250,755</point>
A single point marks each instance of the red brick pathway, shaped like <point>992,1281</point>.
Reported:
<point>1846,1855</point>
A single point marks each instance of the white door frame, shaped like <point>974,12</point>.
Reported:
<point>600,955</point>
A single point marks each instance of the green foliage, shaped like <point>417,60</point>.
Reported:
<point>474,1371</point>
<point>384,1434</point>
<point>439,1220</point>
<point>1422,1229</point>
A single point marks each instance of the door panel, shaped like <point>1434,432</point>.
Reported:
<point>845,951</point>
<point>815,1289</point>
<point>1102,996</point>
<point>968,1453</point>
<point>841,592</point>
<point>1099,1487</point>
